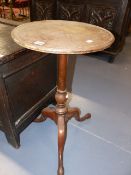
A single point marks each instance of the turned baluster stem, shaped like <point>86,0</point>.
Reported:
<point>62,71</point>
<point>61,109</point>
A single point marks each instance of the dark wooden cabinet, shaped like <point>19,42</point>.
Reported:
<point>27,84</point>
<point>110,14</point>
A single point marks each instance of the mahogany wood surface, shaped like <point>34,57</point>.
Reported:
<point>62,38</point>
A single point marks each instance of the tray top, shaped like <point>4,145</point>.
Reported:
<point>62,37</point>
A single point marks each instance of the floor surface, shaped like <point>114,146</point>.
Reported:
<point>98,146</point>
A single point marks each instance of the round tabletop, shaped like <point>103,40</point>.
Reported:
<point>62,37</point>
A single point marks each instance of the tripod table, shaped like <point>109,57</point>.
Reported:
<point>62,38</point>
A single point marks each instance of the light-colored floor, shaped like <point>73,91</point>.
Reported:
<point>99,146</point>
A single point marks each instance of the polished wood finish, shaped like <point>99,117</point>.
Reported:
<point>63,38</point>
<point>61,115</point>
<point>24,87</point>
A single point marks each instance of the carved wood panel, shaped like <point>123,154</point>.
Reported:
<point>72,12</point>
<point>42,10</point>
<point>103,16</point>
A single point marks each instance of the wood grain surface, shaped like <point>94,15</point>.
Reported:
<point>62,37</point>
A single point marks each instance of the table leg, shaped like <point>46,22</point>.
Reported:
<point>61,114</point>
